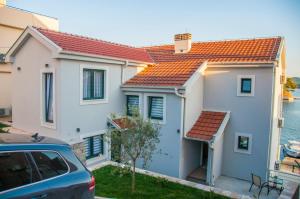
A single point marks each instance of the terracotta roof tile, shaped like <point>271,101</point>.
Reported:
<point>250,50</point>
<point>166,74</point>
<point>75,43</point>
<point>207,125</point>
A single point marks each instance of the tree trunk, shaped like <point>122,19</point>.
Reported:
<point>133,177</point>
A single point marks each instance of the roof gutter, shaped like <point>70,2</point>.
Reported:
<point>64,54</point>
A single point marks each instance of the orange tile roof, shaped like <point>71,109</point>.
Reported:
<point>121,123</point>
<point>80,44</point>
<point>174,69</point>
<point>166,74</point>
<point>248,50</point>
<point>207,125</point>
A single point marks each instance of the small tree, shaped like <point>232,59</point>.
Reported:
<point>136,140</point>
<point>290,84</point>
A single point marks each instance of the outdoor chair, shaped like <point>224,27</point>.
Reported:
<point>256,181</point>
<point>297,165</point>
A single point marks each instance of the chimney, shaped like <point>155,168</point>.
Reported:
<point>183,43</point>
<point>2,3</point>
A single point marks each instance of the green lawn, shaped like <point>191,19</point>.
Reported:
<point>110,182</point>
<point>2,126</point>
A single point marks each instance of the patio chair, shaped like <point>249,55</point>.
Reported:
<point>256,181</point>
<point>297,165</point>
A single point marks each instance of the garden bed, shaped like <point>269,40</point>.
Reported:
<point>113,182</point>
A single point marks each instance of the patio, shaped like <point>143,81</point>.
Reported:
<point>242,187</point>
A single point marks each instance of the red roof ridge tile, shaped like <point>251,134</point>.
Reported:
<point>215,41</point>
<point>86,37</point>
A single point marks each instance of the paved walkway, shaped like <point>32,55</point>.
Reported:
<point>242,187</point>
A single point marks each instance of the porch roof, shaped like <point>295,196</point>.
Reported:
<point>207,125</point>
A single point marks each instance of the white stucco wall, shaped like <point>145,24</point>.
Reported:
<point>277,113</point>
<point>26,95</point>
<point>91,118</point>
<point>14,21</point>
<point>193,102</point>
<point>5,85</point>
<point>190,156</point>
<point>249,115</point>
<point>217,158</point>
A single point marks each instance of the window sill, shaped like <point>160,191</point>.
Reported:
<point>247,152</point>
<point>245,94</point>
<point>91,102</point>
<point>48,125</point>
<point>157,121</point>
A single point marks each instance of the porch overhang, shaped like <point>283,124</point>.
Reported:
<point>209,126</point>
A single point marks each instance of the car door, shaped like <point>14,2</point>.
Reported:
<point>18,176</point>
<point>53,170</point>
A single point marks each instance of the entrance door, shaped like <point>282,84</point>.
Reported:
<point>204,158</point>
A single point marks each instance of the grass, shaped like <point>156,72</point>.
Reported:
<point>1,127</point>
<point>115,183</point>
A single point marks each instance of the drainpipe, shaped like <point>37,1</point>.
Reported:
<point>211,160</point>
<point>271,117</point>
<point>182,96</point>
<point>122,71</point>
<point>184,107</point>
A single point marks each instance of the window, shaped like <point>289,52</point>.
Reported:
<point>93,84</point>
<point>132,104</point>
<point>243,143</point>
<point>49,164</point>
<point>48,97</point>
<point>155,107</point>
<point>245,85</point>
<point>94,146</point>
<point>16,170</point>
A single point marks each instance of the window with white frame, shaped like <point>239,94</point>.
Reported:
<point>243,143</point>
<point>94,146</point>
<point>156,107</point>
<point>93,84</point>
<point>48,98</point>
<point>245,85</point>
<point>132,104</point>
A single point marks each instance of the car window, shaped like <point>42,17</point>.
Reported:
<point>49,164</point>
<point>16,170</point>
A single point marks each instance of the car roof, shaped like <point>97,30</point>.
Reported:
<point>9,138</point>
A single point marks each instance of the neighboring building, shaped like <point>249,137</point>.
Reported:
<point>13,21</point>
<point>218,103</point>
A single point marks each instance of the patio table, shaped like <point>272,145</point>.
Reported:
<point>275,183</point>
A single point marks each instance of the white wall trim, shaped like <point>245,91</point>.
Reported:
<point>221,129</point>
<point>236,149</point>
<point>92,133</point>
<point>106,86</point>
<point>238,88</point>
<point>42,110</point>
<point>146,95</point>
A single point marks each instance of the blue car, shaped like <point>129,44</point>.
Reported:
<point>39,167</point>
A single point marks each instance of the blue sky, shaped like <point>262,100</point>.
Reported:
<point>140,23</point>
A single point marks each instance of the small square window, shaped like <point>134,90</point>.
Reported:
<point>155,110</point>
<point>132,104</point>
<point>246,85</point>
<point>243,143</point>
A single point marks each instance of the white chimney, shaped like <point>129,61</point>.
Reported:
<point>183,43</point>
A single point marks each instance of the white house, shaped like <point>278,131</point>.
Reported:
<point>13,21</point>
<point>219,103</point>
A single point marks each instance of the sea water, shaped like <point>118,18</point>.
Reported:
<point>291,114</point>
